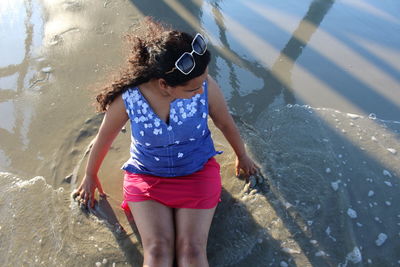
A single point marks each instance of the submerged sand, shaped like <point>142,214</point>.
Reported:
<point>329,184</point>
<point>322,201</point>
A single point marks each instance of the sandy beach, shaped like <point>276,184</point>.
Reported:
<point>314,87</point>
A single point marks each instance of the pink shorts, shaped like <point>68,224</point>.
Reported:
<point>199,190</point>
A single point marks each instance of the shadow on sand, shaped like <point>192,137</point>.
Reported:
<point>302,219</point>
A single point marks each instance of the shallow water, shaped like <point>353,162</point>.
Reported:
<point>322,163</point>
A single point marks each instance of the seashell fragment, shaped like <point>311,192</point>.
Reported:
<point>381,239</point>
<point>387,173</point>
<point>290,251</point>
<point>47,70</point>
<point>328,232</point>
<point>354,256</point>
<point>335,185</point>
<point>352,213</point>
<point>320,254</point>
<point>287,205</point>
<point>388,183</point>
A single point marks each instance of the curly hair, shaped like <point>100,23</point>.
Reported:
<point>153,50</point>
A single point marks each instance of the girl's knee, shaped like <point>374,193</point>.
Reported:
<point>191,249</point>
<point>159,248</point>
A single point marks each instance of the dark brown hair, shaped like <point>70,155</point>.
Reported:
<point>153,50</point>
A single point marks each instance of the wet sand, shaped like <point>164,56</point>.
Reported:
<point>330,170</point>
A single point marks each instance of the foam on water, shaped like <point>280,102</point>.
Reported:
<point>39,227</point>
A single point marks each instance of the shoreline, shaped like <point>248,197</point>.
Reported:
<point>331,177</point>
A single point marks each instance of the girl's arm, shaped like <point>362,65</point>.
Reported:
<point>113,121</point>
<point>219,113</point>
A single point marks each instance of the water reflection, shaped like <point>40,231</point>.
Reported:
<point>4,160</point>
<point>12,32</point>
<point>322,77</point>
<point>183,15</point>
<point>9,83</point>
<point>277,79</point>
<point>21,35</point>
<point>7,122</point>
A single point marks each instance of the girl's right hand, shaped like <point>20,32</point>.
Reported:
<point>86,190</point>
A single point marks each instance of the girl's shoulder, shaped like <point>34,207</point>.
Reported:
<point>131,93</point>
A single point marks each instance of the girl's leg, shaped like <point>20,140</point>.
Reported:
<point>155,224</point>
<point>192,227</point>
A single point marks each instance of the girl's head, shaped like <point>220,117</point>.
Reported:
<point>153,52</point>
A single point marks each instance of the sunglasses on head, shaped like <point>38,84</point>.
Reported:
<point>186,63</point>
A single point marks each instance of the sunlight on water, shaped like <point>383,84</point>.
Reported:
<point>372,10</point>
<point>386,54</point>
<point>7,121</point>
<point>324,43</point>
<point>12,32</point>
<point>313,87</point>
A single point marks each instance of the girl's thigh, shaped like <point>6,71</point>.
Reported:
<point>153,220</point>
<point>193,225</point>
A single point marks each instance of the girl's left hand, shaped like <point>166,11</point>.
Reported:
<point>247,165</point>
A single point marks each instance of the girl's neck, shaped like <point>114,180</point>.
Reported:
<point>152,88</point>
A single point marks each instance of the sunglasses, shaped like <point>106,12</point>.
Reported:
<point>186,63</point>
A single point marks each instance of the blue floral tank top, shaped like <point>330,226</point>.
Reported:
<point>178,148</point>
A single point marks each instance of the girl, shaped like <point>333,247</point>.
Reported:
<point>172,182</point>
